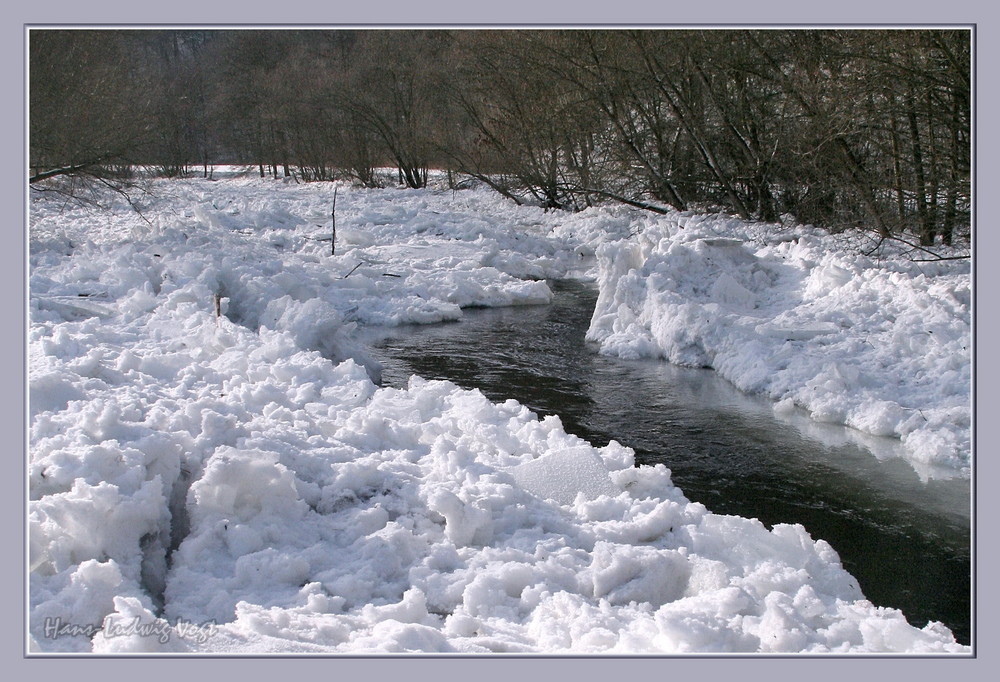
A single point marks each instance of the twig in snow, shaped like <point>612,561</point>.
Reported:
<point>875,249</point>
<point>352,270</point>
<point>915,247</point>
<point>333,232</point>
<point>918,247</point>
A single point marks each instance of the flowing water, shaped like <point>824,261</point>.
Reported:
<point>905,537</point>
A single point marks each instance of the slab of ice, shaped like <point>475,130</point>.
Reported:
<point>71,306</point>
<point>561,475</point>
<point>803,333</point>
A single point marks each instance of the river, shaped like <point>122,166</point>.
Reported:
<point>905,538</point>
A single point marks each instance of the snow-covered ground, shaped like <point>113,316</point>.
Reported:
<point>239,484</point>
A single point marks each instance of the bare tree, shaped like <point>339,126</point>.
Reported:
<point>88,105</point>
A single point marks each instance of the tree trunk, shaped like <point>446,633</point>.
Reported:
<point>897,172</point>
<point>920,188</point>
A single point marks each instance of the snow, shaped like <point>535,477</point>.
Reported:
<point>240,484</point>
<point>804,318</point>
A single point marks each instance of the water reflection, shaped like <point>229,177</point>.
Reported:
<point>903,533</point>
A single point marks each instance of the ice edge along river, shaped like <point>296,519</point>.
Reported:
<point>905,539</point>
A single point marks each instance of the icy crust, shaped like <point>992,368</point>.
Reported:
<point>239,484</point>
<point>883,347</point>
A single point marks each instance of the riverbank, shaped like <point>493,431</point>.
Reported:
<point>880,343</point>
<point>241,470</point>
<point>906,540</point>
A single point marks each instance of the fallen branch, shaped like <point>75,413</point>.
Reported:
<point>937,256</point>
<point>931,260</point>
<point>65,170</point>
<point>630,202</point>
<point>916,247</point>
<point>352,270</point>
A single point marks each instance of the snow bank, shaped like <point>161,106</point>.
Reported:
<point>883,347</point>
<point>239,484</point>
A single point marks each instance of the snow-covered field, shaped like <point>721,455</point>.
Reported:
<point>239,484</point>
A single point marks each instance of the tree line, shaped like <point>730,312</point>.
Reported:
<point>842,128</point>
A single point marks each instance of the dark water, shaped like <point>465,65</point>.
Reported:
<point>905,539</point>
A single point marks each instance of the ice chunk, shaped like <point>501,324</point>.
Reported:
<point>561,474</point>
<point>802,332</point>
<point>727,290</point>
